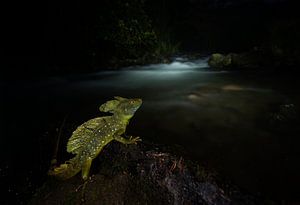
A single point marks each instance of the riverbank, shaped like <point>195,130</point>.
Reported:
<point>143,174</point>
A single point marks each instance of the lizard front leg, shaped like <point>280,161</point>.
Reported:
<point>130,140</point>
<point>86,168</point>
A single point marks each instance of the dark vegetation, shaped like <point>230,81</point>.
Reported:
<point>80,36</point>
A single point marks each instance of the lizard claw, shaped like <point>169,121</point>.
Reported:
<point>134,140</point>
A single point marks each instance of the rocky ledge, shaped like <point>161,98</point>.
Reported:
<point>142,174</point>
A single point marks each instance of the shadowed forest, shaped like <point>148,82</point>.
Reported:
<point>76,36</point>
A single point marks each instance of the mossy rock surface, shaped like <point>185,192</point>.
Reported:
<point>220,61</point>
<point>258,58</point>
<point>141,174</point>
<point>216,60</point>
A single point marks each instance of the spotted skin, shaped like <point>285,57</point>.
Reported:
<point>88,139</point>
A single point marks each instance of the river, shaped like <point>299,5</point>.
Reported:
<point>220,118</point>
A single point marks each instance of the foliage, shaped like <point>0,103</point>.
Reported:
<point>126,26</point>
<point>284,41</point>
<point>166,48</point>
<point>125,34</point>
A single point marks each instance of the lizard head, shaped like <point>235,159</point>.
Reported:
<point>122,106</point>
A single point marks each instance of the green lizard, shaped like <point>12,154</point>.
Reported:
<point>89,138</point>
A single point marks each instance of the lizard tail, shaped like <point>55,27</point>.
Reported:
<point>66,170</point>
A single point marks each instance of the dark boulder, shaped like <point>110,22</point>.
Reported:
<point>141,175</point>
<point>216,60</point>
<point>234,61</point>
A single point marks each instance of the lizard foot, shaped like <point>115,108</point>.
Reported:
<point>134,140</point>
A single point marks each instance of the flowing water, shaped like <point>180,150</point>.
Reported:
<point>224,119</point>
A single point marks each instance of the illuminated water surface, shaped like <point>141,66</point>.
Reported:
<point>219,117</point>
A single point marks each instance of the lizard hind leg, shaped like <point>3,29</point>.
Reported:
<point>86,168</point>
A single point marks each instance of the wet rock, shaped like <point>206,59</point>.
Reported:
<point>234,61</point>
<point>140,174</point>
<point>264,57</point>
<point>217,60</point>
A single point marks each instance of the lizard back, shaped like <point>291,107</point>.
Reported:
<point>86,135</point>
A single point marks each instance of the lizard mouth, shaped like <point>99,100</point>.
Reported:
<point>135,109</point>
<point>140,103</point>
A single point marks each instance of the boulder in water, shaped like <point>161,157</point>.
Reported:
<point>218,60</point>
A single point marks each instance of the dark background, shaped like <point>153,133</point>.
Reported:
<point>48,36</point>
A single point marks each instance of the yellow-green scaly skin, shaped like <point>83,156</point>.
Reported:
<point>89,138</point>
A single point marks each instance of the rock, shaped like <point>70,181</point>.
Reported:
<point>273,57</point>
<point>248,60</point>
<point>216,60</point>
<point>139,174</point>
